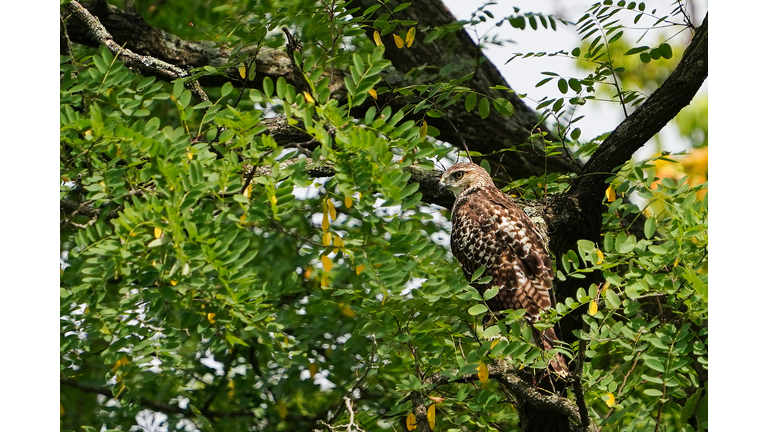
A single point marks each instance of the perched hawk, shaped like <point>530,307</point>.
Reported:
<point>490,230</point>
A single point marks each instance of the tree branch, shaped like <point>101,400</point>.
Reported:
<point>131,59</point>
<point>494,133</point>
<point>661,107</point>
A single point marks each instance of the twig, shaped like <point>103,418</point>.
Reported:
<point>360,379</point>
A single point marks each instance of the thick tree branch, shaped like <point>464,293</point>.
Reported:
<point>527,399</point>
<point>143,63</point>
<point>130,30</point>
<point>661,107</point>
<point>496,132</point>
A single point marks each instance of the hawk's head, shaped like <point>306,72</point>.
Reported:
<point>463,176</point>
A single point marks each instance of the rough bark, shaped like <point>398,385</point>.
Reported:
<point>494,133</point>
<point>660,108</point>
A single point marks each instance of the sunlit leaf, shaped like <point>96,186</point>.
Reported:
<point>482,372</point>
<point>409,38</point>
<point>398,41</point>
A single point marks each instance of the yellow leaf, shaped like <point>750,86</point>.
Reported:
<point>398,41</point>
<point>410,421</point>
<point>373,93</point>
<point>282,409</point>
<point>610,194</point>
<point>423,129</point>
<point>331,209</point>
<point>592,307</point>
<point>241,70</point>
<point>273,199</point>
<point>211,316</point>
<point>338,241</point>
<point>346,310</point>
<point>611,401</point>
<point>359,269</point>
<point>600,256</point>
<point>431,416</point>
<point>327,263</point>
<point>122,361</point>
<point>348,201</point>
<point>482,372</point>
<point>173,282</point>
<point>312,370</point>
<point>327,237</point>
<point>190,155</point>
<point>410,36</point>
<point>495,341</point>
<point>377,38</point>
<point>308,98</point>
<point>326,224</point>
<point>247,191</point>
<point>324,281</point>
<point>61,410</point>
<point>158,232</point>
<point>231,386</point>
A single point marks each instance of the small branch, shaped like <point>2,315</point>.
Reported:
<point>359,380</point>
<point>578,388</point>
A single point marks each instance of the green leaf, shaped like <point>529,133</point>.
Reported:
<point>490,293</point>
<point>665,50</point>
<point>469,101</point>
<point>650,227</point>
<point>503,106</point>
<point>613,300</point>
<point>562,85</point>
<point>281,89</point>
<point>485,108</point>
<point>226,89</point>
<point>476,275</point>
<point>477,309</point>
<point>268,86</point>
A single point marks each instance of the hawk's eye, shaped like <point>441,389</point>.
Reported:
<point>458,175</point>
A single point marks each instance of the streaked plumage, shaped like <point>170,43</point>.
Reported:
<point>490,230</point>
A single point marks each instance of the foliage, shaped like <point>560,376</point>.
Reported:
<point>210,280</point>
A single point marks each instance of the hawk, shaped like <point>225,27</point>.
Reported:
<point>489,230</point>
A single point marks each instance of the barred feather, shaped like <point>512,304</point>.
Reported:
<point>489,230</point>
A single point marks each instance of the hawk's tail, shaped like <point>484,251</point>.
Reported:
<point>559,364</point>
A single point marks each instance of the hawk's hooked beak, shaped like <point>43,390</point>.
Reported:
<point>441,186</point>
